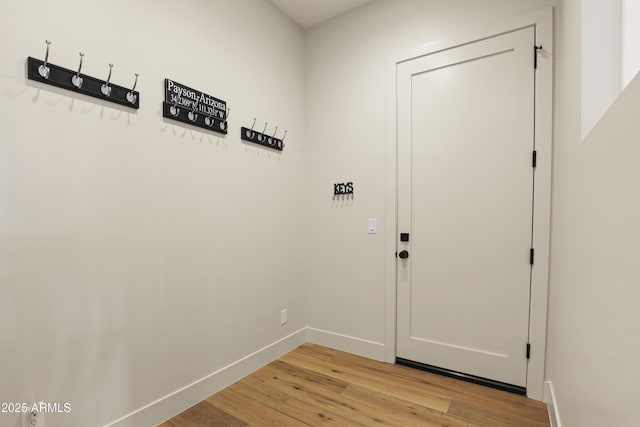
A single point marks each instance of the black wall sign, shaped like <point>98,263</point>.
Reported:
<point>194,107</point>
<point>343,189</point>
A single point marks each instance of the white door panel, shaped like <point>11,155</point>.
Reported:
<point>465,194</point>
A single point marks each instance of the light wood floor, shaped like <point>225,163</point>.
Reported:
<point>314,385</point>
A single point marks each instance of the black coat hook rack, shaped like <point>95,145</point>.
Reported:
<point>194,117</point>
<point>75,81</point>
<point>261,138</point>
<point>186,105</point>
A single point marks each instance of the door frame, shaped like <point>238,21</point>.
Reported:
<point>542,21</point>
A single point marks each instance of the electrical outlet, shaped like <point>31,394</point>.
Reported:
<point>283,316</point>
<point>34,418</point>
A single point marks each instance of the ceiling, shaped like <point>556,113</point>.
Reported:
<point>308,13</point>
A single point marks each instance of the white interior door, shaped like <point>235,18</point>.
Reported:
<point>465,196</point>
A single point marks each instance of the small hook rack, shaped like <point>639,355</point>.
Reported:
<point>54,75</point>
<point>261,138</point>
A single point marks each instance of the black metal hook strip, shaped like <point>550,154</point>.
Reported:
<point>262,139</point>
<point>194,117</point>
<point>63,78</point>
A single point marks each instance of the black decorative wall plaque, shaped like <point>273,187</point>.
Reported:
<point>343,189</point>
<point>196,108</point>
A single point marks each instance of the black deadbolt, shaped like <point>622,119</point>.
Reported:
<point>403,254</point>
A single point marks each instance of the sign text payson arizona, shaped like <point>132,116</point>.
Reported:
<point>181,95</point>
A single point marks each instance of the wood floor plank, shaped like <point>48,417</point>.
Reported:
<point>407,390</point>
<point>344,411</point>
<point>317,414</point>
<point>251,412</point>
<point>323,398</point>
<point>489,417</point>
<point>456,389</point>
<point>259,393</point>
<point>310,377</point>
<point>294,381</point>
<point>204,415</point>
<point>318,351</point>
<point>404,413</point>
<point>317,386</point>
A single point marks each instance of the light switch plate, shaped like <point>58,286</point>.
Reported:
<point>373,226</point>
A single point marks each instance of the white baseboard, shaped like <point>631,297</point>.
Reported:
<point>549,397</point>
<point>365,348</point>
<point>176,402</point>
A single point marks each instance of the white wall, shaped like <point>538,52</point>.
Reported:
<point>346,116</point>
<point>630,40</point>
<point>139,255</point>
<point>593,334</point>
<point>601,58</point>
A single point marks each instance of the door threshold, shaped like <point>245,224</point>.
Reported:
<point>464,377</point>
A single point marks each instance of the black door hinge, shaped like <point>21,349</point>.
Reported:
<point>535,56</point>
<point>528,350</point>
<point>531,255</point>
<point>534,160</point>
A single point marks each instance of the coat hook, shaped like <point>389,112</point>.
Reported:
<point>223,122</point>
<point>132,97</point>
<point>261,136</point>
<point>193,116</point>
<point>282,140</point>
<point>174,110</point>
<point>249,132</point>
<point>43,70</point>
<point>272,138</point>
<point>208,120</point>
<point>106,89</point>
<point>77,80</point>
